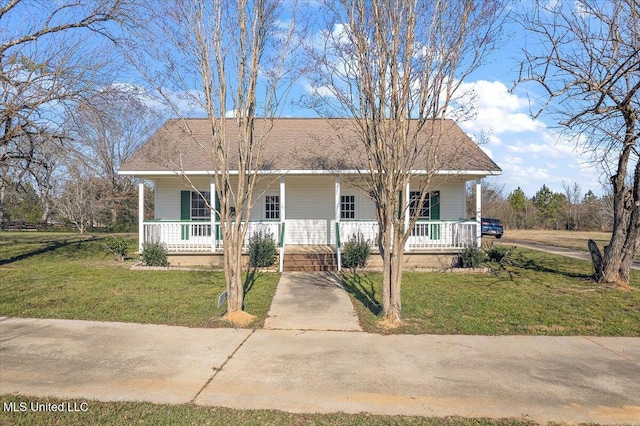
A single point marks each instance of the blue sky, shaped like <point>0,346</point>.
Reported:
<point>530,151</point>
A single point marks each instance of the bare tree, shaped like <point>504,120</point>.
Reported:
<point>105,133</point>
<point>48,60</point>
<point>395,67</point>
<point>573,194</point>
<point>78,200</point>
<point>228,59</point>
<point>586,56</point>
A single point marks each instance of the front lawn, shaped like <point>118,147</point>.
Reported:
<point>69,276</point>
<point>537,294</point>
<point>49,275</point>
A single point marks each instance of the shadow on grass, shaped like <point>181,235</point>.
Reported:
<point>250,279</point>
<point>519,263</point>
<point>364,291</point>
<point>51,246</point>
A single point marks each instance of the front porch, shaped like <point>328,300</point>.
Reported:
<point>198,237</point>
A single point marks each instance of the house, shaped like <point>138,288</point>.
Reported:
<point>309,196</point>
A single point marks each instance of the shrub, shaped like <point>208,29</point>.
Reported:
<point>356,252</point>
<point>117,246</point>
<point>262,250</point>
<point>471,257</point>
<point>155,254</point>
<point>496,254</point>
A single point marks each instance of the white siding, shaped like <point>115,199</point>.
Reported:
<point>452,200</point>
<point>167,195</point>
<point>310,211</point>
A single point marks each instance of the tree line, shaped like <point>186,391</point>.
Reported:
<point>573,209</point>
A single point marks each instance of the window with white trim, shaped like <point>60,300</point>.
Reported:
<point>347,207</point>
<point>425,209</point>
<point>200,205</point>
<point>272,207</point>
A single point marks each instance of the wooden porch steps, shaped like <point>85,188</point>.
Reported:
<point>308,259</point>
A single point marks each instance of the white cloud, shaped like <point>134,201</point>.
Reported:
<point>497,110</point>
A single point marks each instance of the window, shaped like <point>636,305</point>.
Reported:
<point>201,211</point>
<point>272,207</point>
<point>199,205</point>
<point>414,198</point>
<point>347,207</point>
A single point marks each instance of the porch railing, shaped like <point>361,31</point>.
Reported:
<point>426,235</point>
<point>194,236</point>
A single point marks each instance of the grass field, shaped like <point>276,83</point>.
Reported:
<point>535,294</point>
<point>68,276</point>
<point>567,239</point>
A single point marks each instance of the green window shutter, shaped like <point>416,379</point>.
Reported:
<point>185,205</point>
<point>400,205</point>
<point>434,203</point>
<point>185,213</point>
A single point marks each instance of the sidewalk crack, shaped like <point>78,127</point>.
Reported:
<point>621,355</point>
<point>216,370</point>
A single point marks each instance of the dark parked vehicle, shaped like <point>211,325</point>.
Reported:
<point>492,226</point>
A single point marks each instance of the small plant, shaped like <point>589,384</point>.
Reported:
<point>117,246</point>
<point>356,252</point>
<point>496,254</point>
<point>262,250</point>
<point>155,254</point>
<point>471,257</point>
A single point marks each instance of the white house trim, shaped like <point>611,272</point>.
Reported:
<point>304,172</point>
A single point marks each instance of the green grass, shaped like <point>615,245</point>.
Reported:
<point>537,294</point>
<point>68,276</point>
<point>127,413</point>
<point>48,275</point>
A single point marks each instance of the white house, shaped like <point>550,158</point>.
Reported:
<point>308,196</point>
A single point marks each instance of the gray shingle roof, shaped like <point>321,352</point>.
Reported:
<point>299,144</point>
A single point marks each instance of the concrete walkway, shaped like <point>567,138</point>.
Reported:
<point>311,301</point>
<point>294,367</point>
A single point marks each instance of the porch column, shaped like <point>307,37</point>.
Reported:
<point>337,215</point>
<point>212,210</point>
<point>407,216</point>
<point>478,212</point>
<point>140,217</point>
<point>282,221</point>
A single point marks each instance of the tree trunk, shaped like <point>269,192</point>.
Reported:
<point>392,277</point>
<point>596,258</point>
<point>614,266</point>
<point>2,192</point>
<point>233,271</point>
